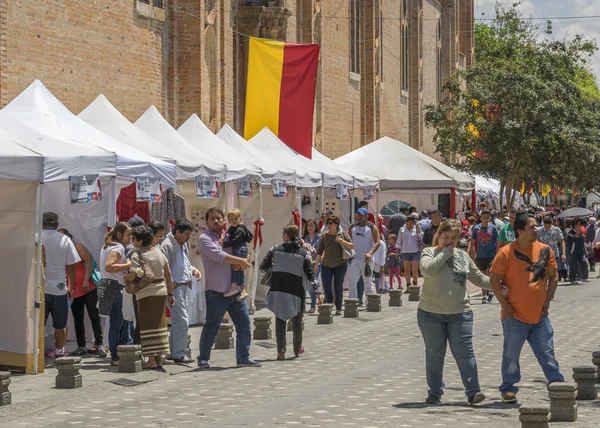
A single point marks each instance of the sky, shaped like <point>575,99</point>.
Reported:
<point>562,28</point>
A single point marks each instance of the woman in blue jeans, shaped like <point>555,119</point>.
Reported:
<point>312,238</point>
<point>334,266</point>
<point>445,315</point>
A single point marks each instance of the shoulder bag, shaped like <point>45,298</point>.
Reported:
<point>346,252</point>
<point>140,282</point>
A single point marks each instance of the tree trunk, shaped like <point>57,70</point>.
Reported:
<point>501,208</point>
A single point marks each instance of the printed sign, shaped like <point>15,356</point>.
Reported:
<point>85,188</point>
<point>244,188</point>
<point>279,189</point>
<point>368,193</point>
<point>207,187</point>
<point>342,192</point>
<point>148,189</point>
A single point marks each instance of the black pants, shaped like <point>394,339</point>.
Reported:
<point>280,332</point>
<point>336,276</point>
<point>87,301</point>
<point>592,263</point>
<point>578,266</point>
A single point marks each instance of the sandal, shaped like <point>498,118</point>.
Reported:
<point>149,366</point>
<point>280,356</point>
<point>114,363</point>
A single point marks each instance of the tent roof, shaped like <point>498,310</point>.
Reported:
<point>37,108</point>
<point>238,166</point>
<point>270,170</point>
<point>17,162</point>
<point>60,159</point>
<point>191,162</point>
<point>487,185</point>
<point>399,166</point>
<point>312,173</point>
<point>360,179</point>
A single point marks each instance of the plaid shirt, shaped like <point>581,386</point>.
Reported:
<point>217,275</point>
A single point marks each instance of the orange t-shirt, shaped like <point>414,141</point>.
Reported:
<point>524,271</point>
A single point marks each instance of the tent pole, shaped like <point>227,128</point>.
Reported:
<point>38,273</point>
<point>112,207</point>
<point>256,254</point>
<point>352,207</point>
<point>299,206</point>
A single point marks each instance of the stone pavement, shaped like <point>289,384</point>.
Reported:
<point>365,372</point>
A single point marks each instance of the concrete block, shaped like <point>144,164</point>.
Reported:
<point>585,376</point>
<point>325,314</point>
<point>351,308</point>
<point>534,416</point>
<point>414,293</point>
<point>130,358</point>
<point>5,394</point>
<point>224,338</point>
<point>68,373</point>
<point>563,406</point>
<point>395,298</point>
<point>373,302</point>
<point>262,328</point>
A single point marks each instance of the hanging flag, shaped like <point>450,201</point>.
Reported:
<point>244,188</point>
<point>280,91</point>
<point>546,189</point>
<point>342,192</point>
<point>522,188</point>
<point>148,189</point>
<point>207,187</point>
<point>279,189</point>
<point>85,188</point>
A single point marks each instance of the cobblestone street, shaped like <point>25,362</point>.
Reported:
<point>365,372</point>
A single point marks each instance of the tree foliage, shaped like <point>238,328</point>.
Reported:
<point>527,110</point>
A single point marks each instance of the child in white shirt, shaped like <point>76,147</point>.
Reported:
<point>379,259</point>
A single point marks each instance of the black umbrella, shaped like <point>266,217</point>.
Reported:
<point>575,212</point>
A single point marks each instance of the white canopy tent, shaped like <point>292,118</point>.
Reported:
<point>487,186</point>
<point>191,162</point>
<point>360,179</point>
<point>196,132</point>
<point>37,108</point>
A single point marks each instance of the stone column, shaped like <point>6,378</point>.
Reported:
<point>373,302</point>
<point>5,395</point>
<point>596,361</point>
<point>414,293</point>
<point>395,297</point>
<point>351,308</point>
<point>262,328</point>
<point>585,376</point>
<point>224,338</point>
<point>563,406</point>
<point>325,315</point>
<point>534,416</point>
<point>68,373</point>
<point>130,358</point>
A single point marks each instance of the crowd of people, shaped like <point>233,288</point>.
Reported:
<point>142,273</point>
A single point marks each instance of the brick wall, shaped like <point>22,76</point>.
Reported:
<point>80,49</point>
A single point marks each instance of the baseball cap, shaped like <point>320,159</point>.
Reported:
<point>50,218</point>
<point>136,221</point>
<point>362,211</point>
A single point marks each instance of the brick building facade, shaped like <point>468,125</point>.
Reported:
<point>381,60</point>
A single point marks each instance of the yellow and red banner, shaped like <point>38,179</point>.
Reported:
<point>280,91</point>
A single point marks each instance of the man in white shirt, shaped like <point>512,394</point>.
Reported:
<point>61,258</point>
<point>366,238</point>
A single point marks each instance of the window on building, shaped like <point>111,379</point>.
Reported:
<point>405,62</point>
<point>155,3</point>
<point>355,36</point>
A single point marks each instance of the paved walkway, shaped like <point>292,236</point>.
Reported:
<point>366,372</point>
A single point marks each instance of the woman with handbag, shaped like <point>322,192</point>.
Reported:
<point>335,249</point>
<point>292,274</point>
<point>110,298</point>
<point>150,280</point>
<point>86,297</point>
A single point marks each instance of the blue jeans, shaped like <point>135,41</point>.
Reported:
<point>541,339</point>
<point>238,276</point>
<point>115,324</point>
<point>457,330</point>
<point>127,333</point>
<point>312,294</point>
<point>216,306</point>
<point>334,277</point>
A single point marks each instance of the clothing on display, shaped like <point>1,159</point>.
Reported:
<point>127,206</point>
<point>172,207</point>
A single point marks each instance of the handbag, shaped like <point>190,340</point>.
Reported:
<point>96,274</point>
<point>266,278</point>
<point>140,282</point>
<point>589,250</point>
<point>346,252</point>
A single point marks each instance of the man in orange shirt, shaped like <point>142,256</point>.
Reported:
<point>528,268</point>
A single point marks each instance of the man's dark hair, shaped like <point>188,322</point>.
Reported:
<point>66,233</point>
<point>548,219</point>
<point>136,221</point>
<point>436,212</point>
<point>521,222</point>
<point>182,225</point>
<point>143,234</point>
<point>363,204</point>
<point>484,212</point>
<point>213,210</point>
<point>156,226</point>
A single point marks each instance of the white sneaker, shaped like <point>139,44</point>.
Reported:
<point>101,351</point>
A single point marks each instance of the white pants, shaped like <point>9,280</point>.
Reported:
<point>355,271</point>
<point>179,322</point>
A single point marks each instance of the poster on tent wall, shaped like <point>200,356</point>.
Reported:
<point>279,189</point>
<point>207,187</point>
<point>368,193</point>
<point>148,189</point>
<point>342,192</point>
<point>244,188</point>
<point>85,189</point>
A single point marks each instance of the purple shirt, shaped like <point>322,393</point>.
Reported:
<point>217,275</point>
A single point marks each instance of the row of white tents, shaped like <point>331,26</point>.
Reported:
<point>43,144</point>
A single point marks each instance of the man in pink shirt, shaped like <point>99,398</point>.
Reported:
<point>217,274</point>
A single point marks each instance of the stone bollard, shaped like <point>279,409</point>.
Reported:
<point>290,326</point>
<point>395,297</point>
<point>224,338</point>
<point>534,416</point>
<point>351,308</point>
<point>585,376</point>
<point>373,302</point>
<point>325,315</point>
<point>68,372</point>
<point>414,293</point>
<point>262,328</point>
<point>596,361</point>
<point>188,351</point>
<point>130,358</point>
<point>563,406</point>
<point>5,395</point>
